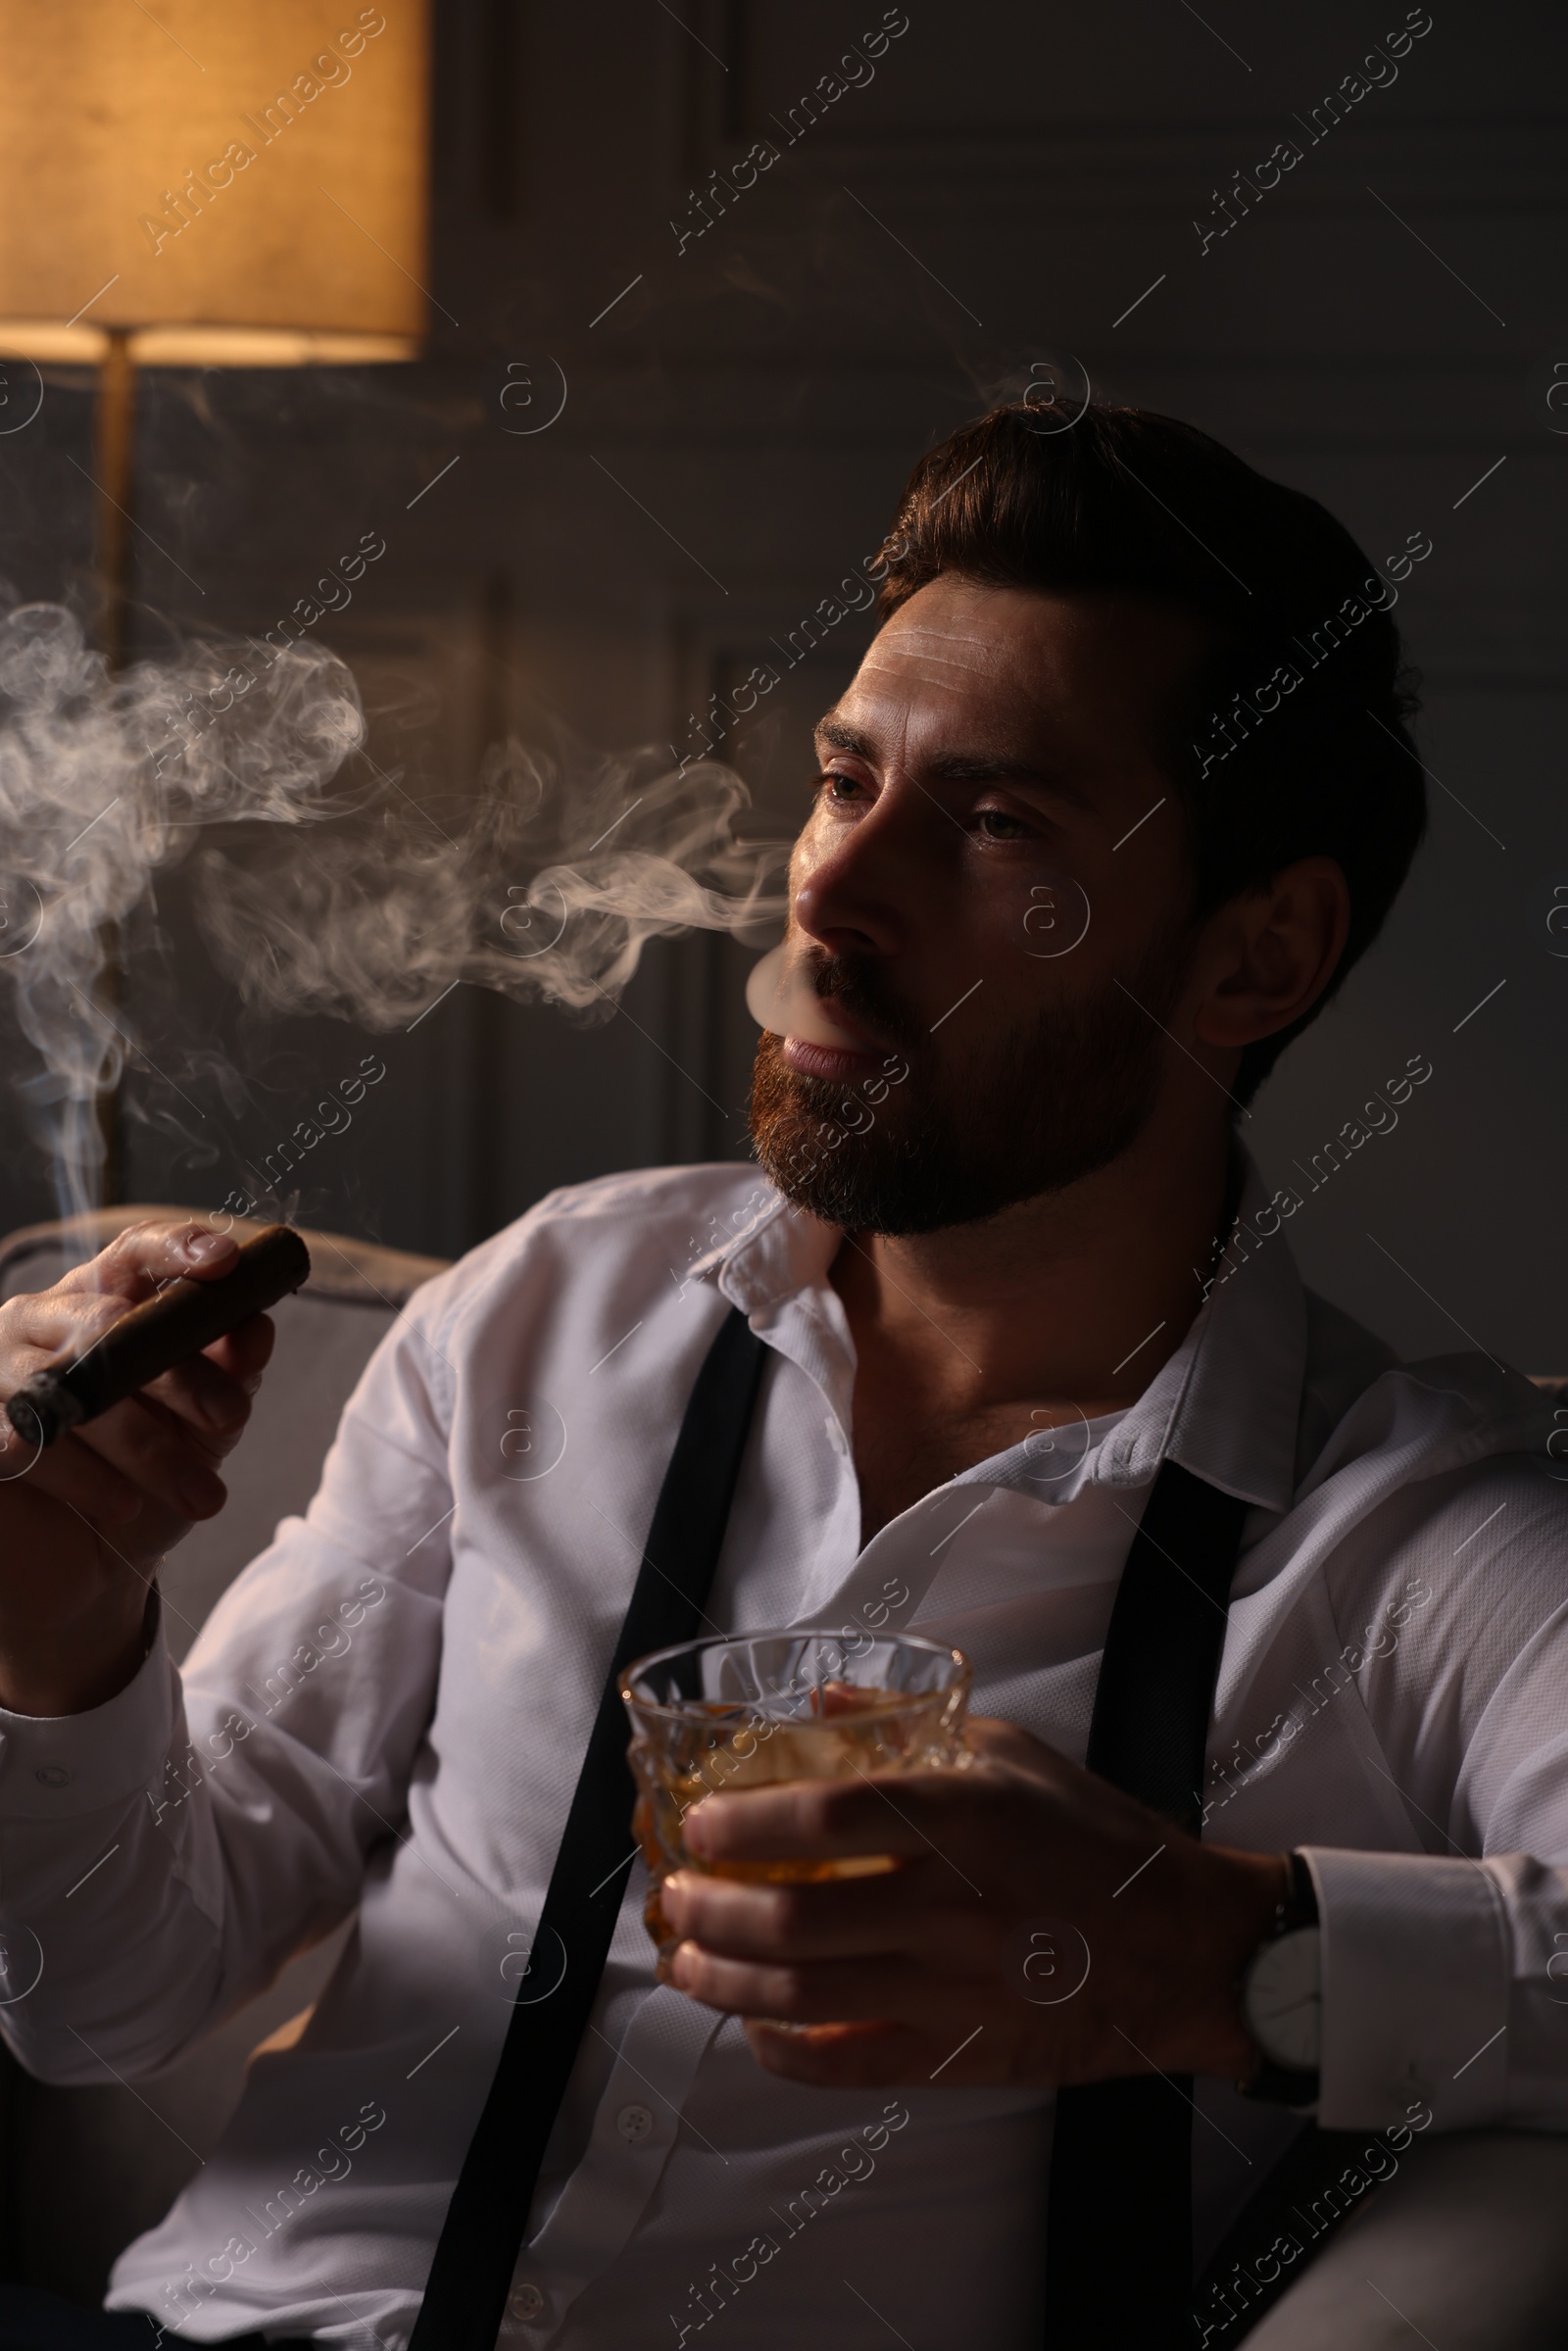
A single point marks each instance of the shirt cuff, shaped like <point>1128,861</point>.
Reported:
<point>1415,1990</point>
<point>54,1767</point>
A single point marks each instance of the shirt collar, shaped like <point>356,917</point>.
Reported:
<point>1225,1406</point>
<point>776,1252</point>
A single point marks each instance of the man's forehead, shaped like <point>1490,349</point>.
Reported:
<point>1010,659</point>
<point>927,673</point>
<point>956,630</point>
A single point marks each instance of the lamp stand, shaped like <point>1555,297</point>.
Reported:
<point>115,468</point>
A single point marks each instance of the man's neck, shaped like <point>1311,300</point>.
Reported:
<point>1064,1304</point>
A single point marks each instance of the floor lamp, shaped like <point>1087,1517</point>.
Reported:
<point>227,183</point>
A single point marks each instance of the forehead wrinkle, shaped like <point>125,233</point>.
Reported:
<point>919,682</point>
<point>1009,696</point>
<point>936,636</point>
<point>883,656</point>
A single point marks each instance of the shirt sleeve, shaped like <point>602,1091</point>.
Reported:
<point>1446,1971</point>
<point>164,1855</point>
<point>1415,1989</point>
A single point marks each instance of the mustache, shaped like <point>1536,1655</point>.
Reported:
<point>856,985</point>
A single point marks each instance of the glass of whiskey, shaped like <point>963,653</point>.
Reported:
<point>748,1709</point>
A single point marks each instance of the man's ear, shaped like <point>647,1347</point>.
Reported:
<point>1268,955</point>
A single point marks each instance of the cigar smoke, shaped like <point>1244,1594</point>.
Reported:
<point>779,996</point>
<point>351,898</point>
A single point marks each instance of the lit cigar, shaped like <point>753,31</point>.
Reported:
<point>151,1339</point>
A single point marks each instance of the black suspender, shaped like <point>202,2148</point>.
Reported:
<point>481,2238</point>
<point>1118,2227</point>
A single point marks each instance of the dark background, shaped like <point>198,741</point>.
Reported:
<point>1012,181</point>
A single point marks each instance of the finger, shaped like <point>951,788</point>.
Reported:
<point>824,1991</point>
<point>143,1255</point>
<point>72,1472</point>
<point>894,1911</point>
<point>40,1327</point>
<point>210,1406</point>
<point>986,1736</point>
<point>245,1351</point>
<point>882,1812</point>
<point>841,2056</point>
<point>72,1316</point>
<point>159,1454</point>
<point>213,1392</point>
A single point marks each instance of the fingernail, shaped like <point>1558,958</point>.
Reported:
<point>683,1966</point>
<point>201,1495</point>
<point>672,1893</point>
<point>204,1248</point>
<point>694,1831</point>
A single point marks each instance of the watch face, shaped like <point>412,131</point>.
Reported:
<point>1283,2000</point>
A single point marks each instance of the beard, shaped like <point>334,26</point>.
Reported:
<point>1050,1102</point>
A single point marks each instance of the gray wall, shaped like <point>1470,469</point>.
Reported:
<point>760,397</point>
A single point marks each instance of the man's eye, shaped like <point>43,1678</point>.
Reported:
<point>997,825</point>
<point>832,784</point>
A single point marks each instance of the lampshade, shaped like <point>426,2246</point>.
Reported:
<point>238,182</point>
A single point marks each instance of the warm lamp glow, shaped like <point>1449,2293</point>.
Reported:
<point>237,182</point>
<point>199,346</point>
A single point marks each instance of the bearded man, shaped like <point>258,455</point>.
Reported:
<point>1243,1911</point>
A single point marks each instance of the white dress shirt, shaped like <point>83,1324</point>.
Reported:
<point>387,1712</point>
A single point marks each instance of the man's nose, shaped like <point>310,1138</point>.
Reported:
<point>859,896</point>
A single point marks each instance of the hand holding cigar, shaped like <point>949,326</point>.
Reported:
<point>182,1318</point>
<point>130,1382</point>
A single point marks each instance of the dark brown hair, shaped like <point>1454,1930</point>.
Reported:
<point>1295,741</point>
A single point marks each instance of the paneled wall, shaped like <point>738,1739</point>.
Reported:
<point>993,189</point>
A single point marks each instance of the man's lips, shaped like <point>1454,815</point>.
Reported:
<point>843,1065</point>
<point>860,1052</point>
<point>858,1037</point>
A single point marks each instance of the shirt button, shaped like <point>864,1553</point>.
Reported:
<point>634,2122</point>
<point>525,2303</point>
<point>52,1774</point>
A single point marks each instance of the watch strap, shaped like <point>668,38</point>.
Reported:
<point>1279,2085</point>
<point>1299,1906</point>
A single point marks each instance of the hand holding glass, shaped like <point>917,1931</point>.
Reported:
<point>759,1707</point>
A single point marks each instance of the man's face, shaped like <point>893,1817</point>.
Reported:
<point>991,903</point>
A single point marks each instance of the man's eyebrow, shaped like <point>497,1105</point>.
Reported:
<point>995,767</point>
<point>843,737</point>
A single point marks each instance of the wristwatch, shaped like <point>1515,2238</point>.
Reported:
<point>1281,1998</point>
